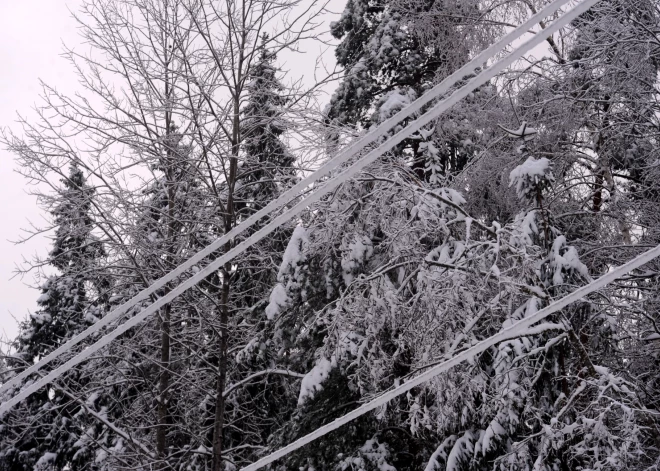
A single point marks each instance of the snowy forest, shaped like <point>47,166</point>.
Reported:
<point>188,121</point>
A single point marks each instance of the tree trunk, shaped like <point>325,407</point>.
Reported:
<point>219,421</point>
<point>166,312</point>
<point>163,386</point>
<point>598,193</point>
<point>218,428</point>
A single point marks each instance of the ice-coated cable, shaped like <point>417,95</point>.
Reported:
<point>437,109</point>
<point>343,156</point>
<point>518,329</point>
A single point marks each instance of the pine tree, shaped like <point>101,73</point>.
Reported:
<point>74,254</point>
<point>65,309</point>
<point>394,51</point>
<point>267,169</point>
<point>268,165</point>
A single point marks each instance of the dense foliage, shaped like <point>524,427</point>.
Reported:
<point>540,181</point>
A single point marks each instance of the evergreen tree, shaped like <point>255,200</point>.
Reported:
<point>268,168</point>
<point>268,165</point>
<point>598,134</point>
<point>65,309</point>
<point>406,278</point>
<point>394,51</point>
<point>418,258</point>
<point>75,253</point>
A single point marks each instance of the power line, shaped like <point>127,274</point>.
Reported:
<point>439,108</point>
<point>516,330</point>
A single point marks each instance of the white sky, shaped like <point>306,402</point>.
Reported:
<point>32,33</point>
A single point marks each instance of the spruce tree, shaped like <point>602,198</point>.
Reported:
<point>75,251</point>
<point>268,166</point>
<point>65,309</point>
<point>393,52</point>
<point>267,170</point>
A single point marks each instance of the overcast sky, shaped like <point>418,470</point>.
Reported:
<point>32,33</point>
<point>31,36</point>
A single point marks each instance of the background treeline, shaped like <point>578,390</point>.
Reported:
<point>186,124</point>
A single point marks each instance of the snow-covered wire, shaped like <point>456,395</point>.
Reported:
<point>520,328</point>
<point>439,108</point>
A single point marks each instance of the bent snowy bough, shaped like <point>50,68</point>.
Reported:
<point>432,114</point>
<point>519,329</point>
